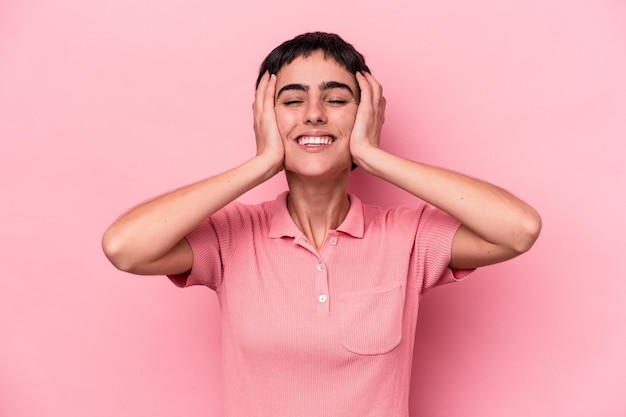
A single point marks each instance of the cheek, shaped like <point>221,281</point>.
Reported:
<point>284,121</point>
<point>347,119</point>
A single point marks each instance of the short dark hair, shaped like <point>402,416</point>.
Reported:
<point>330,44</point>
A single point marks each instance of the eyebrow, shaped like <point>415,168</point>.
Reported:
<point>325,85</point>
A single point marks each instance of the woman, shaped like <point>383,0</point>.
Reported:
<point>319,293</point>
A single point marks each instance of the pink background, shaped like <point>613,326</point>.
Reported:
<point>106,103</point>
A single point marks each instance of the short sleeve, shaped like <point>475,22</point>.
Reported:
<point>212,242</point>
<point>433,249</point>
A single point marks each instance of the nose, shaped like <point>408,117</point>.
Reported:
<point>315,113</point>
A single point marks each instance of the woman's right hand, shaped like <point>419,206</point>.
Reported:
<point>268,140</point>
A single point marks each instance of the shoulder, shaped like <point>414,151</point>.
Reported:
<point>418,219</point>
<point>239,217</point>
<point>239,209</point>
<point>396,215</point>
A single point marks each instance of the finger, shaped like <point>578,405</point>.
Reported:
<point>379,102</point>
<point>364,86</point>
<point>270,90</point>
<point>377,89</point>
<point>259,95</point>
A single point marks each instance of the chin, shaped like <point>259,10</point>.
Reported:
<point>316,171</point>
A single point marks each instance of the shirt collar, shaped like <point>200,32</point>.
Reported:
<point>282,224</point>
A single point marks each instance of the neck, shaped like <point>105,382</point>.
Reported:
<point>317,207</point>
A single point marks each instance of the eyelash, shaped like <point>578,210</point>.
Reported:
<point>333,102</point>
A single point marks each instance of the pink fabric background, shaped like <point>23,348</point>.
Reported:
<point>103,104</point>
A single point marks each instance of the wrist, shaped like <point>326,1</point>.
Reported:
<point>268,165</point>
<point>366,157</point>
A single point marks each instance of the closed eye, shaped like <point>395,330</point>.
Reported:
<point>337,102</point>
<point>292,102</point>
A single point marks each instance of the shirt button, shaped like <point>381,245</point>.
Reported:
<point>322,298</point>
<point>320,267</point>
<point>333,240</point>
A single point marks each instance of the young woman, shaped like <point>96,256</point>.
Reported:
<point>319,292</point>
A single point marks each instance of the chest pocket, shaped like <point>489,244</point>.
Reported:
<point>371,320</point>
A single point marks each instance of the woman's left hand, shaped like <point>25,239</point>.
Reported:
<point>369,120</point>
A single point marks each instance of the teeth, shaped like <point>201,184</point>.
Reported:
<point>315,140</point>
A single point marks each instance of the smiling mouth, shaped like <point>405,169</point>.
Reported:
<point>315,140</point>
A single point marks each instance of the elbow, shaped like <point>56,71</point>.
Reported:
<point>113,247</point>
<point>529,231</point>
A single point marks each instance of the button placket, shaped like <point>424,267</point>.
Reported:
<point>322,294</point>
<point>321,288</point>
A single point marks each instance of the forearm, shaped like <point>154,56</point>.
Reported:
<point>148,231</point>
<point>489,211</point>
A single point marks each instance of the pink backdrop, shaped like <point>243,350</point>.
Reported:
<point>103,104</point>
